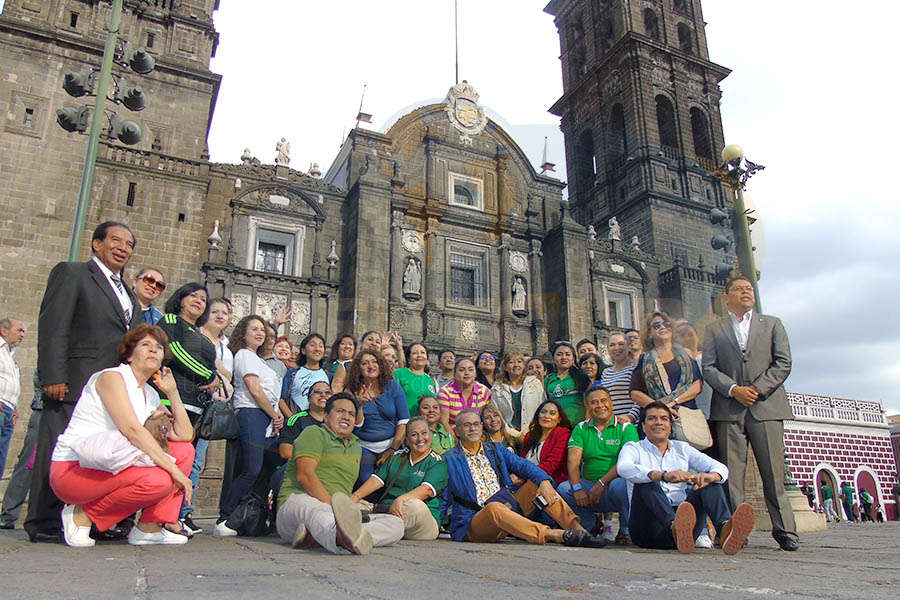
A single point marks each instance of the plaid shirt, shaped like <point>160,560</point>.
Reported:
<point>10,387</point>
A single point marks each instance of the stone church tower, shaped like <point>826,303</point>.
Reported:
<point>640,116</point>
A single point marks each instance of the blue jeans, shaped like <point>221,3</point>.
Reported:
<point>6,431</point>
<point>652,513</point>
<point>6,417</point>
<point>200,447</point>
<point>366,467</point>
<point>257,453</point>
<point>614,499</point>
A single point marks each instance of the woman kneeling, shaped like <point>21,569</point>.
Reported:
<point>97,465</point>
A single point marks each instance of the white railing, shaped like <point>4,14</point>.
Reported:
<point>813,406</point>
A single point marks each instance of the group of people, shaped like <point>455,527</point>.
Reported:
<point>367,445</point>
<point>866,510</point>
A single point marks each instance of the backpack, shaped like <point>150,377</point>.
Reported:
<point>252,517</point>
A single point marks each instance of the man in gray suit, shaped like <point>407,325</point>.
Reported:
<point>746,361</point>
<point>86,310</point>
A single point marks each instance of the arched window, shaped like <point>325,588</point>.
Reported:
<point>700,133</point>
<point>685,39</point>
<point>651,24</point>
<point>665,122</point>
<point>586,159</point>
<point>618,141</point>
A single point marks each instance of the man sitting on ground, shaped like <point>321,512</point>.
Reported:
<point>484,509</point>
<point>666,494</point>
<point>314,503</point>
<point>594,484</point>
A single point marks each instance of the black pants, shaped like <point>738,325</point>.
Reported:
<point>652,513</point>
<point>43,505</point>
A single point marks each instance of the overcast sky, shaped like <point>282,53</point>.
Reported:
<point>811,97</point>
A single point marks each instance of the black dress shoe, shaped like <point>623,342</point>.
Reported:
<point>789,544</point>
<point>582,539</point>
<point>113,533</point>
<point>46,537</point>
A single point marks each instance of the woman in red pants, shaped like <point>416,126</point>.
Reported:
<point>130,471</point>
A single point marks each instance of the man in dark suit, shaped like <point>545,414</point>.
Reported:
<point>86,310</point>
<point>746,360</point>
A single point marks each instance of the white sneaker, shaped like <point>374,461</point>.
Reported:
<point>223,530</point>
<point>136,537</point>
<point>78,536</point>
<point>703,541</point>
<point>608,533</point>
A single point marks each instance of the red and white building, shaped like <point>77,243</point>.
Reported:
<point>838,440</point>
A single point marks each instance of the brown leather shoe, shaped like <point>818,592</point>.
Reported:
<point>737,529</point>
<point>622,539</point>
<point>683,527</point>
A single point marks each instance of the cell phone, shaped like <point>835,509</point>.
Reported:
<point>540,503</point>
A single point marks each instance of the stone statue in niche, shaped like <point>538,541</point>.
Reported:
<point>615,232</point>
<point>519,297</point>
<point>636,245</point>
<point>412,280</point>
<point>592,233</point>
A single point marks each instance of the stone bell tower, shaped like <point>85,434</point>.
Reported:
<point>640,116</point>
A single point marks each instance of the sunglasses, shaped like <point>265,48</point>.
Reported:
<point>661,324</point>
<point>154,283</point>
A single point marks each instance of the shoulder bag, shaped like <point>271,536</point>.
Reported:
<point>691,425</point>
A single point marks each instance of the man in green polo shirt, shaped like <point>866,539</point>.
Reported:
<point>828,503</point>
<point>594,485</point>
<point>415,477</point>
<point>314,506</point>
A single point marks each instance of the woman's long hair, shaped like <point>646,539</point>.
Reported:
<point>336,346</point>
<point>646,338</point>
<point>510,440</point>
<point>173,304</point>
<point>479,375</point>
<point>236,341</point>
<point>582,381</point>
<point>534,429</point>
<point>502,375</point>
<point>355,375</point>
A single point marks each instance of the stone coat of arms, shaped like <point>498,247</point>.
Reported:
<point>463,111</point>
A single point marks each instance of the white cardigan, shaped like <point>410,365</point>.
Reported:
<point>532,395</point>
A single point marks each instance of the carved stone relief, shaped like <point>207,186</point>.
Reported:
<point>241,304</point>
<point>518,262</point>
<point>300,316</point>
<point>468,329</point>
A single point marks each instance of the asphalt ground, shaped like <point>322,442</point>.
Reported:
<point>846,561</point>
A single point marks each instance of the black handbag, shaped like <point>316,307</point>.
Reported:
<point>218,422</point>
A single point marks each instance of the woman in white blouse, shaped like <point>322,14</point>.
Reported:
<point>115,403</point>
<point>255,400</point>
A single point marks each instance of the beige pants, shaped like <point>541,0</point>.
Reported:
<point>495,521</point>
<point>319,521</point>
<point>418,522</point>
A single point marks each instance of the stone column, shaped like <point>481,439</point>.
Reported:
<point>434,278</point>
<point>397,265</point>
<point>538,320</point>
<point>316,269</point>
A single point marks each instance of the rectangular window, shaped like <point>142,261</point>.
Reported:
<point>466,191</point>
<point>132,191</point>
<point>620,309</point>
<point>28,121</point>
<point>73,20</point>
<point>151,37</point>
<point>468,279</point>
<point>274,251</point>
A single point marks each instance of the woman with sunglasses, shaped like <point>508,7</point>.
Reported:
<point>567,383</point>
<point>664,371</point>
<point>148,284</point>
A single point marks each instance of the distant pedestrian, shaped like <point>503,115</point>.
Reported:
<point>12,332</point>
<point>847,497</point>
<point>828,502</point>
<point>20,480</point>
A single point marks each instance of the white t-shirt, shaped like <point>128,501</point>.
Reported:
<point>90,416</point>
<point>248,363</point>
<point>223,353</point>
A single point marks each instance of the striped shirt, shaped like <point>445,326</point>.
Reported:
<point>452,399</point>
<point>619,385</point>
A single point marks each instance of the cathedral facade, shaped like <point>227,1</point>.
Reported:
<point>438,227</point>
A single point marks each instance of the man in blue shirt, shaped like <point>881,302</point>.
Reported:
<point>670,482</point>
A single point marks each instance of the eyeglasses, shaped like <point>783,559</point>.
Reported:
<point>741,288</point>
<point>154,283</point>
<point>661,324</point>
<point>489,357</point>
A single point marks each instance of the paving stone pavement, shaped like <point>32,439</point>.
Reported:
<point>846,561</point>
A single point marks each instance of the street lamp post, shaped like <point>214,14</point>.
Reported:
<point>734,173</point>
<point>87,174</point>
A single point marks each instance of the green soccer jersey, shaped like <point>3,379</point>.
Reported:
<point>415,386</point>
<point>431,470</point>
<point>564,391</point>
